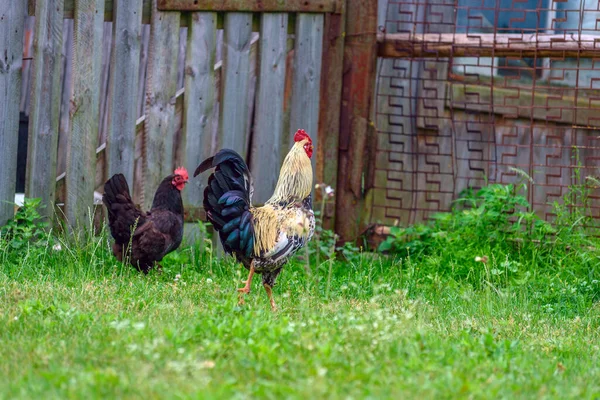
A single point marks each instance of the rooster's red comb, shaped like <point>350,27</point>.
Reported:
<point>182,172</point>
<point>301,135</point>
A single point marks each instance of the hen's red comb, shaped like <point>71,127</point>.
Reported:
<point>301,135</point>
<point>182,172</point>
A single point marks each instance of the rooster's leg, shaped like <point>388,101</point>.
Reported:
<point>270,294</point>
<point>246,288</point>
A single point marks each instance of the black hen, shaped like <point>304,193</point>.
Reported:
<point>155,233</point>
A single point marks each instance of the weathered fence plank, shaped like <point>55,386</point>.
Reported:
<point>236,60</point>
<point>252,86</point>
<point>199,99</point>
<point>45,103</point>
<point>160,100</point>
<point>27,58</point>
<point>307,76</point>
<point>64,125</point>
<point>122,113</point>
<point>69,11</point>
<point>317,6</point>
<point>81,165</point>
<point>268,128</point>
<point>109,9</point>
<point>105,67</point>
<point>331,96</point>
<point>141,88</point>
<point>12,18</point>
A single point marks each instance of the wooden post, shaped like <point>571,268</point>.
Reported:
<point>360,56</point>
<point>12,21</point>
<point>127,36</point>
<point>81,159</point>
<point>331,97</point>
<point>266,143</point>
<point>45,103</point>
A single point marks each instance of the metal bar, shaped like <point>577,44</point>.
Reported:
<point>408,45</point>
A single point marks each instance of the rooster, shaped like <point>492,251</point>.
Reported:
<point>155,233</point>
<point>261,238</point>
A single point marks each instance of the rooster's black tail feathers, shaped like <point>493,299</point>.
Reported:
<point>227,200</point>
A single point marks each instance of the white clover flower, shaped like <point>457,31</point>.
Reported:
<point>57,247</point>
<point>208,280</point>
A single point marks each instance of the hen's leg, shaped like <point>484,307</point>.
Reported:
<point>270,294</point>
<point>246,288</point>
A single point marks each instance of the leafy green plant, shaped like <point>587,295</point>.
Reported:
<point>573,212</point>
<point>27,227</point>
<point>493,214</point>
<point>323,246</point>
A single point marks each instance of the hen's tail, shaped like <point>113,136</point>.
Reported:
<point>227,200</point>
<point>122,212</point>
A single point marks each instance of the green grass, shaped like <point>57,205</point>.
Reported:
<point>77,324</point>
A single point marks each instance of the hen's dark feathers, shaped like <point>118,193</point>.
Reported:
<point>122,212</point>
<point>155,233</point>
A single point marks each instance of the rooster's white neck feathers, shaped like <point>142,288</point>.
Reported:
<point>295,178</point>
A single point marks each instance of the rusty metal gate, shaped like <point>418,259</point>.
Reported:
<point>468,89</point>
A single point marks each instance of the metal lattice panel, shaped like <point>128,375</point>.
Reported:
<point>448,123</point>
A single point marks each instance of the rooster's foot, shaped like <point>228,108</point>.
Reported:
<point>270,294</point>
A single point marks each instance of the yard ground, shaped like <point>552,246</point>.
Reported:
<point>75,324</point>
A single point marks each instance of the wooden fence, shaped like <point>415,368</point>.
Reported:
<point>114,104</point>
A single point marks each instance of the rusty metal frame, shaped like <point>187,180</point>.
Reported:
<point>409,45</point>
<point>512,97</point>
